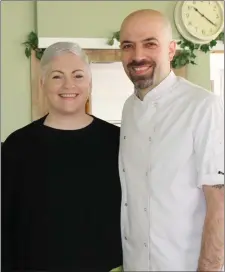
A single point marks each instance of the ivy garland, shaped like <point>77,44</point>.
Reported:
<point>187,53</point>
<point>185,56</point>
<point>31,44</point>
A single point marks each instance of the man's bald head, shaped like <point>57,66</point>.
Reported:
<point>147,48</point>
<point>149,18</point>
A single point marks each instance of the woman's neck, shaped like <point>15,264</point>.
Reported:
<point>68,121</point>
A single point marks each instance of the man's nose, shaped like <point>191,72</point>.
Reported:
<point>138,54</point>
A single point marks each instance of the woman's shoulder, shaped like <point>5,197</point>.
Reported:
<point>106,125</point>
<point>23,134</point>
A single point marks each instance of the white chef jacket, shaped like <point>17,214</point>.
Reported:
<point>171,144</point>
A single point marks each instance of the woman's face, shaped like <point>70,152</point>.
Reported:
<point>67,84</point>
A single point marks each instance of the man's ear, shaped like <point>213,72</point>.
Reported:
<point>172,50</point>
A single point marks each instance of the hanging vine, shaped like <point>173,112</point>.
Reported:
<point>187,54</point>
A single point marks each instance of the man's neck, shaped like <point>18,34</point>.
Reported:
<point>141,93</point>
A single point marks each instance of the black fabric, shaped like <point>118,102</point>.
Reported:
<point>61,199</point>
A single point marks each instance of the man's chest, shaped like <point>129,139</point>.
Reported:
<point>161,139</point>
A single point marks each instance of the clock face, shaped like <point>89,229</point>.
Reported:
<point>203,19</point>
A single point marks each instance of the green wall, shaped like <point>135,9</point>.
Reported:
<point>80,19</point>
<point>92,19</point>
<point>17,20</point>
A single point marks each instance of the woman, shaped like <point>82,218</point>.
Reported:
<point>60,183</point>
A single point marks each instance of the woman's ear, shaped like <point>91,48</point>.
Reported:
<point>41,83</point>
<point>90,86</point>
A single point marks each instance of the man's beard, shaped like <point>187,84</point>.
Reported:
<point>142,81</point>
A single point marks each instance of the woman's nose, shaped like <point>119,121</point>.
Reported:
<point>68,83</point>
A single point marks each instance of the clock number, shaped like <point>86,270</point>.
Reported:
<point>189,23</point>
<point>187,15</point>
<point>217,16</point>
<point>189,7</point>
<point>214,8</point>
<point>203,32</point>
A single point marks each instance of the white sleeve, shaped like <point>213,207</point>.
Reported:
<point>209,142</point>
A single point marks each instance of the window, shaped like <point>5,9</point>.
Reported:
<point>111,88</point>
<point>217,73</point>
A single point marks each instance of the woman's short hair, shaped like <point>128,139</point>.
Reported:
<point>58,49</point>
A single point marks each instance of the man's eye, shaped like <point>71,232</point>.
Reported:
<point>150,44</point>
<point>126,46</point>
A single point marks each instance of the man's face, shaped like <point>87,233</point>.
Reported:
<point>146,51</point>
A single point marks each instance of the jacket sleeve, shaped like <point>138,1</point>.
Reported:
<point>209,142</point>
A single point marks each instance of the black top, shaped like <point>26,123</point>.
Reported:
<point>61,199</point>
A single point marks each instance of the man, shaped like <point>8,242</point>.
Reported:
<point>171,158</point>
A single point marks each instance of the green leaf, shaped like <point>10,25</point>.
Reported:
<point>196,46</point>
<point>116,35</point>
<point>192,46</point>
<point>213,43</point>
<point>205,48</point>
<point>32,37</point>
<point>192,62</point>
<point>220,37</point>
<point>28,52</point>
<point>111,41</point>
<point>39,54</point>
<point>183,61</point>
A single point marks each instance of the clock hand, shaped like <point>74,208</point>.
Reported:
<point>204,16</point>
<point>198,11</point>
<point>209,20</point>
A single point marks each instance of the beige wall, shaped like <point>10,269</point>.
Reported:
<point>81,19</point>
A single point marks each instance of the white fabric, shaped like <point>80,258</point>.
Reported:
<point>171,144</point>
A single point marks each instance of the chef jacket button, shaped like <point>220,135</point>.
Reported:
<point>125,238</point>
<point>145,244</point>
<point>126,204</point>
<point>150,139</point>
<point>145,209</point>
<point>124,137</point>
<point>123,170</point>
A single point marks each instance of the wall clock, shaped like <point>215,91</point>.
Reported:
<point>199,21</point>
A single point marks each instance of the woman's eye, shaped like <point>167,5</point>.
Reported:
<point>78,76</point>
<point>56,77</point>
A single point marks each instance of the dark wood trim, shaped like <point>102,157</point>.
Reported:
<point>39,102</point>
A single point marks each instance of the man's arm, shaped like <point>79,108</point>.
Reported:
<point>212,249</point>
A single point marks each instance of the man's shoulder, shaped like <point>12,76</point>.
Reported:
<point>198,100</point>
<point>193,91</point>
